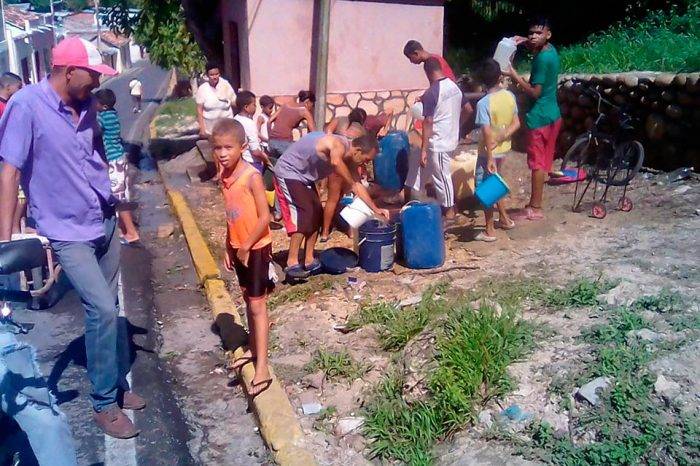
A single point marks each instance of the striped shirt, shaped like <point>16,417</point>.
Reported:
<point>111,134</point>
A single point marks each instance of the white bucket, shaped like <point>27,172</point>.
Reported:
<point>504,53</point>
<point>357,213</point>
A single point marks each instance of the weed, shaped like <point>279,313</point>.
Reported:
<point>337,365</point>
<point>178,108</point>
<point>580,293</point>
<point>474,350</point>
<point>620,322</point>
<point>301,292</point>
<point>664,302</point>
<point>324,421</point>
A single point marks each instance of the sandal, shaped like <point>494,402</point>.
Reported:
<point>296,272</point>
<point>242,361</point>
<point>314,267</point>
<point>505,226</point>
<point>482,236</point>
<point>323,239</point>
<point>527,213</point>
<point>264,385</point>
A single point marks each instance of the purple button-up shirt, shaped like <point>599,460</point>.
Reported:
<point>64,172</point>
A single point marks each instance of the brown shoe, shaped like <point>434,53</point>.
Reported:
<point>114,423</point>
<point>133,401</point>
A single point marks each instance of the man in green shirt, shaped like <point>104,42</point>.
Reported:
<point>544,118</point>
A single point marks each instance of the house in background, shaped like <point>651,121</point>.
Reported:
<point>269,49</point>
<point>4,49</point>
<point>30,38</point>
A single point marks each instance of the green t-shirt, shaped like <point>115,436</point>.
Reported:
<point>545,71</point>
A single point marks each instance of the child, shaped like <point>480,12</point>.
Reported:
<point>135,91</point>
<point>497,116</point>
<point>544,118</point>
<point>253,153</point>
<point>267,105</point>
<point>248,241</point>
<point>108,119</point>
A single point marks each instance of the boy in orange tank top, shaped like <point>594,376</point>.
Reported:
<point>248,242</point>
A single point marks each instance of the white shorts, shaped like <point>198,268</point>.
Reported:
<point>119,179</point>
<point>436,171</point>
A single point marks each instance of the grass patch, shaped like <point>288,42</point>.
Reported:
<point>580,293</point>
<point>337,365</point>
<point>178,108</point>
<point>300,292</point>
<point>474,350</point>
<point>629,425</point>
<point>663,41</point>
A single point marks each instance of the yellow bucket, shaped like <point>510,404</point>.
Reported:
<point>270,198</point>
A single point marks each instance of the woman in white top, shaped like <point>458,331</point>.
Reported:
<point>214,100</point>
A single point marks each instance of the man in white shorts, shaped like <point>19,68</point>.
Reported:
<point>442,105</point>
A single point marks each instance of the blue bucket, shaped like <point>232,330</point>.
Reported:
<point>377,246</point>
<point>491,190</point>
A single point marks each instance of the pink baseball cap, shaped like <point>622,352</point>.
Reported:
<point>74,51</point>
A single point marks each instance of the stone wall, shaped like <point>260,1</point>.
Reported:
<point>666,107</point>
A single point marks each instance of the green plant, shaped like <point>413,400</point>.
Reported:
<point>337,365</point>
<point>301,292</point>
<point>178,108</point>
<point>665,301</point>
<point>580,293</point>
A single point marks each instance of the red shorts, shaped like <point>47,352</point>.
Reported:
<point>541,143</point>
<point>300,205</point>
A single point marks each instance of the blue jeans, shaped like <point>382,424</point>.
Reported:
<point>93,269</point>
<point>25,397</point>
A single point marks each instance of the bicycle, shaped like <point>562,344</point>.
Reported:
<point>610,159</point>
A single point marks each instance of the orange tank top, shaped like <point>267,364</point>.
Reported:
<point>241,214</point>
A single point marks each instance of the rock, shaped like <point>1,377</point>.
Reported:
<point>311,408</point>
<point>417,362</point>
<point>165,230</point>
<point>588,391</point>
<point>315,380</point>
<point>355,441</point>
<point>335,99</point>
<point>485,419</point>
<point>664,79</point>
<point>347,425</point>
<point>411,301</point>
<point>645,335</point>
<point>353,99</point>
<point>668,389</point>
<point>682,189</point>
<point>623,294</point>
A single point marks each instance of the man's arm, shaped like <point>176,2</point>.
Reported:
<point>534,91</point>
<point>309,120</point>
<point>200,120</point>
<point>9,184</point>
<point>427,134</point>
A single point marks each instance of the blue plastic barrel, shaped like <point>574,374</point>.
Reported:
<point>391,164</point>
<point>377,246</point>
<point>422,240</point>
<point>491,190</point>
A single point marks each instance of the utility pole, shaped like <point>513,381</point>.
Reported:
<point>53,21</point>
<point>321,84</point>
<point>97,22</point>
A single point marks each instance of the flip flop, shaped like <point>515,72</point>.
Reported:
<point>314,267</point>
<point>134,244</point>
<point>505,226</point>
<point>323,239</point>
<point>527,213</point>
<point>482,236</point>
<point>296,272</point>
<point>240,362</point>
<point>265,385</point>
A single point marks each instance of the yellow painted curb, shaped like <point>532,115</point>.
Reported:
<point>204,263</point>
<point>279,426</point>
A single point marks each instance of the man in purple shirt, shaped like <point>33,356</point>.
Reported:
<point>50,143</point>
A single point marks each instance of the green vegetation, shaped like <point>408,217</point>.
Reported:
<point>178,108</point>
<point>630,425</point>
<point>300,292</point>
<point>581,293</point>
<point>663,41</point>
<point>474,348</point>
<point>337,365</point>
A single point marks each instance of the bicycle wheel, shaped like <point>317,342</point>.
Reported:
<point>625,164</point>
<point>578,155</point>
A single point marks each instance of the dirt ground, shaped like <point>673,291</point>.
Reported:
<point>654,246</point>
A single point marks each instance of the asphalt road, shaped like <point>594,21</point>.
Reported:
<point>59,339</point>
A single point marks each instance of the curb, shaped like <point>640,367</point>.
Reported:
<point>279,426</point>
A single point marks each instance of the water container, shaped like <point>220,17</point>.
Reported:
<point>340,222</point>
<point>504,53</point>
<point>356,213</point>
<point>377,246</point>
<point>491,190</point>
<point>391,164</point>
<point>422,241</point>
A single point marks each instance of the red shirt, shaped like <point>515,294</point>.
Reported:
<point>3,104</point>
<point>446,70</point>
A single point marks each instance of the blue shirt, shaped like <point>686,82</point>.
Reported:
<point>64,172</point>
<point>111,134</point>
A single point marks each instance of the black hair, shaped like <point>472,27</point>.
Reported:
<point>540,20</point>
<point>411,47</point>
<point>357,115</point>
<point>210,66</point>
<point>366,143</point>
<point>244,98</point>
<point>8,78</point>
<point>106,97</point>
<point>488,72</point>
<point>229,126</point>
<point>306,95</point>
<point>266,101</point>
<point>432,65</point>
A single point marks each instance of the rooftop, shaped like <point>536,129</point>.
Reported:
<point>18,17</point>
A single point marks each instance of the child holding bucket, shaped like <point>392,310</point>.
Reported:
<point>248,241</point>
<point>497,116</point>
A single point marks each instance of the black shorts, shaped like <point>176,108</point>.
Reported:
<point>254,279</point>
<point>300,205</point>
